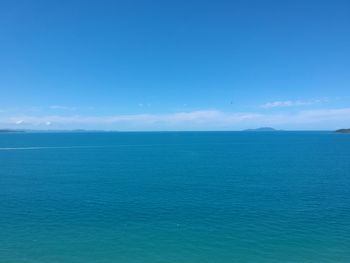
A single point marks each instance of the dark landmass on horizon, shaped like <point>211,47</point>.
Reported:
<point>9,130</point>
<point>343,131</point>
<point>51,131</point>
<point>262,129</point>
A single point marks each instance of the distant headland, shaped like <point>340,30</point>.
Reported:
<point>262,129</point>
<point>9,130</point>
<point>343,131</point>
<point>53,131</point>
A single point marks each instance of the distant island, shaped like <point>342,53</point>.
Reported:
<point>9,130</point>
<point>343,131</point>
<point>262,129</point>
<point>53,131</point>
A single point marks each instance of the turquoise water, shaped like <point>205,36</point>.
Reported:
<point>174,197</point>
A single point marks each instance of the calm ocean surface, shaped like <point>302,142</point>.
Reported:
<point>173,197</point>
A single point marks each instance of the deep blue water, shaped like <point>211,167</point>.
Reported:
<point>191,197</point>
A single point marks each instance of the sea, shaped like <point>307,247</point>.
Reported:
<point>174,197</point>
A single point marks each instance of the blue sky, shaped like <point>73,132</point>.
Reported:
<point>175,65</point>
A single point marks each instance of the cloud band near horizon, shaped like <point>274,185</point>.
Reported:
<point>192,120</point>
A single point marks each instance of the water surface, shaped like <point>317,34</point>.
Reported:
<point>174,197</point>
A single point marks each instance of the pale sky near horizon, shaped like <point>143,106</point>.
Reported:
<point>175,65</point>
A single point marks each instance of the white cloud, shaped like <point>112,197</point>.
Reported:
<point>193,120</point>
<point>19,122</point>
<point>60,107</point>
<point>292,103</point>
<point>144,105</point>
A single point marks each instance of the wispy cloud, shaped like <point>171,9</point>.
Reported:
<point>60,107</point>
<point>292,103</point>
<point>19,122</point>
<point>144,104</point>
<point>193,120</point>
